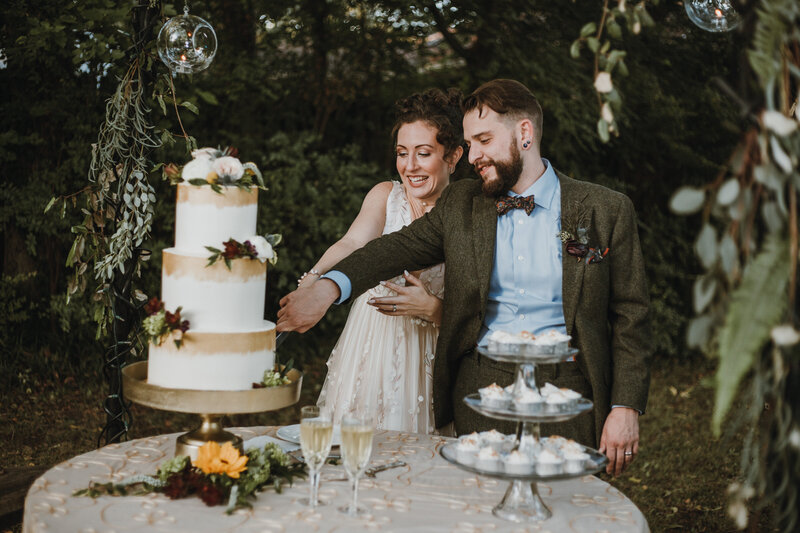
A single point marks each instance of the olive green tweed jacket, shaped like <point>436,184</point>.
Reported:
<point>605,303</point>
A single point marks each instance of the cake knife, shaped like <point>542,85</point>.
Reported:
<point>281,338</point>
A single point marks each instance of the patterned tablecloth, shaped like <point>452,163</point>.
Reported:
<point>427,495</point>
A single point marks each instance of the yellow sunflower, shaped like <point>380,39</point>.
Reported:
<point>215,459</point>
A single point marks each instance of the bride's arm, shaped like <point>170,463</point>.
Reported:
<point>367,226</point>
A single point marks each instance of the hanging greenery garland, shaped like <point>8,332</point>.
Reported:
<point>746,301</point>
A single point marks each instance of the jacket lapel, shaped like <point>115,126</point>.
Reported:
<point>572,194</point>
<point>484,231</point>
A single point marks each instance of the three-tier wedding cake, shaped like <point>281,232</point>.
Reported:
<point>228,344</point>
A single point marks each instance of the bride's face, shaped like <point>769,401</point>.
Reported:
<point>420,161</point>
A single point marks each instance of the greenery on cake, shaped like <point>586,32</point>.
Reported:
<point>220,474</point>
<point>258,247</point>
<point>272,378</point>
<point>216,167</point>
<point>161,324</point>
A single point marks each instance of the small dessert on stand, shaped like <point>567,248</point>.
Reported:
<point>525,458</point>
<point>211,352</point>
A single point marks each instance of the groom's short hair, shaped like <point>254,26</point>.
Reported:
<point>509,98</point>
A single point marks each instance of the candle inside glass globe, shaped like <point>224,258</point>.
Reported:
<point>712,15</point>
<point>187,43</point>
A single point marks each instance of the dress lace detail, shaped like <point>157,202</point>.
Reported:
<point>382,360</point>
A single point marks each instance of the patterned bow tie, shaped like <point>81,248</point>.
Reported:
<point>507,203</point>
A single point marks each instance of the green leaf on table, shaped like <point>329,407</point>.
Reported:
<point>758,304</point>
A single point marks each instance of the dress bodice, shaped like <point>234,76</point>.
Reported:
<point>398,215</point>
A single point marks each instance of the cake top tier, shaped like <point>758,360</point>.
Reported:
<point>229,196</point>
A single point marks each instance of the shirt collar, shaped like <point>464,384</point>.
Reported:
<point>543,189</point>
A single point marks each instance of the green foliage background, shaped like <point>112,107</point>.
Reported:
<point>305,90</point>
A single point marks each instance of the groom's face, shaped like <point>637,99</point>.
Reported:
<point>493,150</point>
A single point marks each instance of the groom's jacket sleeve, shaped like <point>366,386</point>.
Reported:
<point>628,312</point>
<point>416,246</point>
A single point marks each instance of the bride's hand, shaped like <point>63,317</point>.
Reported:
<point>412,300</point>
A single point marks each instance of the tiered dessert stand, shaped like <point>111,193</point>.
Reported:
<point>522,502</point>
<point>210,405</point>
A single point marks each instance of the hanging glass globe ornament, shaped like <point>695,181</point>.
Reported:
<point>187,43</point>
<point>712,15</point>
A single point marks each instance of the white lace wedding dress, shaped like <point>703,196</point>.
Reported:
<point>386,361</point>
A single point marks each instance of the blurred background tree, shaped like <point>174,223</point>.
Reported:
<point>305,89</point>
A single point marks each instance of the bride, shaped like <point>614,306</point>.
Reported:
<point>384,356</point>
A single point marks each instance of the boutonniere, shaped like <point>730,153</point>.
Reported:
<point>575,236</point>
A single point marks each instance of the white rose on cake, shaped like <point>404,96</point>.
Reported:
<point>196,169</point>
<point>229,169</point>
<point>263,248</point>
<point>206,153</point>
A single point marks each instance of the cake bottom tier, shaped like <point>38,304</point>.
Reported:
<point>213,361</point>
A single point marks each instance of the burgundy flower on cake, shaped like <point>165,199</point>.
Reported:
<point>260,248</point>
<point>161,323</point>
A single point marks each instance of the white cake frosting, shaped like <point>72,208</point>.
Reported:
<point>207,218</point>
<point>229,345</point>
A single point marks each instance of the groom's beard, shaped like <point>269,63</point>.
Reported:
<point>508,173</point>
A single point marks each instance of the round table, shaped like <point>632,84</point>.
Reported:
<point>428,494</point>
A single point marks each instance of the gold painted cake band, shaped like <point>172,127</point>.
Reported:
<point>229,197</point>
<point>175,264</point>
<point>201,343</point>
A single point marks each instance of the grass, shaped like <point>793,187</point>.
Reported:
<point>679,479</point>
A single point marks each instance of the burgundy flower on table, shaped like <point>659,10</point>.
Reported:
<point>211,494</point>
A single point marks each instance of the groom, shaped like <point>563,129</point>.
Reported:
<point>525,248</point>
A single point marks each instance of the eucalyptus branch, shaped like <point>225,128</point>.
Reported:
<point>175,103</point>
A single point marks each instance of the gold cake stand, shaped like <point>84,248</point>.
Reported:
<point>210,405</point>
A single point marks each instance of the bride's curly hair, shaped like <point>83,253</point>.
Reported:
<point>440,109</point>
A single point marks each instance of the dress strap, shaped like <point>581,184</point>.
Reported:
<point>398,212</point>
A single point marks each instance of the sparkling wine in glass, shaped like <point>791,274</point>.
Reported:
<point>316,432</point>
<point>357,431</point>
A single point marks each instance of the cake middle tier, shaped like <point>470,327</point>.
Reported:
<point>214,298</point>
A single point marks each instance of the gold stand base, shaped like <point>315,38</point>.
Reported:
<point>210,429</point>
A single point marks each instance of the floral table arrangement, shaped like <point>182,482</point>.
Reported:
<point>220,474</point>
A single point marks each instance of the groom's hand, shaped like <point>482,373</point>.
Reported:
<point>620,439</point>
<point>302,309</point>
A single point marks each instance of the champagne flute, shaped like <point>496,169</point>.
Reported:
<point>357,430</point>
<point>316,432</point>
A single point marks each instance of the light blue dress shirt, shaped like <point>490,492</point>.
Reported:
<point>525,287</point>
